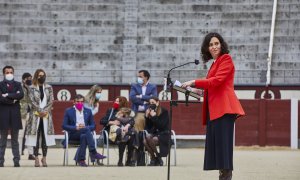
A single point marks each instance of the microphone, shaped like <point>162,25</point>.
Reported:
<point>169,83</point>
<point>196,61</point>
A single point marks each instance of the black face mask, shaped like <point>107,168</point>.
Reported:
<point>42,79</point>
<point>152,106</point>
<point>28,82</point>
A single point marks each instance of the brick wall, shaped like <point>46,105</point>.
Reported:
<point>101,41</point>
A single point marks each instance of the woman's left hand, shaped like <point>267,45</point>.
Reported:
<point>188,83</point>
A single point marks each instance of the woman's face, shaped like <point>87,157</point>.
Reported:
<point>152,101</point>
<point>214,47</point>
<point>41,74</point>
<point>117,101</point>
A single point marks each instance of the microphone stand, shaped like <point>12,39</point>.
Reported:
<point>173,103</point>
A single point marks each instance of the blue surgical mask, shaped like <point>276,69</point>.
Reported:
<point>98,96</point>
<point>140,80</point>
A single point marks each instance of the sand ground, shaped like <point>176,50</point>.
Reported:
<point>252,163</point>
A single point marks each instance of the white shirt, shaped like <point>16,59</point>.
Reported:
<point>79,117</point>
<point>144,88</point>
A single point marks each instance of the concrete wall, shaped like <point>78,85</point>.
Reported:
<point>108,41</point>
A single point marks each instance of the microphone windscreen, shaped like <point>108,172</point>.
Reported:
<point>196,61</point>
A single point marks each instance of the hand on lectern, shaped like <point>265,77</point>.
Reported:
<point>188,83</point>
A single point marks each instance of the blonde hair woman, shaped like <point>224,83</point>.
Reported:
<point>92,99</point>
<point>40,123</point>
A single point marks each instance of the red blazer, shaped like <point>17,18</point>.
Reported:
<point>219,85</point>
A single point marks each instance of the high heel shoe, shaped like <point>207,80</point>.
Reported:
<point>37,162</point>
<point>44,163</point>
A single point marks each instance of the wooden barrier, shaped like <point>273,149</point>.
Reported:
<point>267,121</point>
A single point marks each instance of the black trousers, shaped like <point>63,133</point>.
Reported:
<point>40,133</point>
<point>219,143</point>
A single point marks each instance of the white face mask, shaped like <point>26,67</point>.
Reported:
<point>140,80</point>
<point>98,96</point>
<point>9,77</point>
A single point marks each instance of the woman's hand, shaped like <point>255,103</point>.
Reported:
<point>152,113</point>
<point>147,112</point>
<point>115,122</point>
<point>125,129</point>
<point>188,83</point>
<point>43,114</point>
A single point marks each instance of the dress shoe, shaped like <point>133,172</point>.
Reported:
<point>159,161</point>
<point>1,165</point>
<point>82,163</point>
<point>152,162</point>
<point>120,164</point>
<point>31,157</point>
<point>16,164</point>
<point>130,163</point>
<point>97,156</point>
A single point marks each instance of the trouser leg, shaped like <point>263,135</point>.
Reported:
<point>36,148</point>
<point>43,145</point>
<point>89,139</point>
<point>15,145</point>
<point>122,147</point>
<point>82,148</point>
<point>21,136</point>
<point>3,142</point>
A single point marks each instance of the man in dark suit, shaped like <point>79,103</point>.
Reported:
<point>10,116</point>
<point>79,122</point>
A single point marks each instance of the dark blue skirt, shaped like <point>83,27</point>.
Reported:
<point>219,143</point>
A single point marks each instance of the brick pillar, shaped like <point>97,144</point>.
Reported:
<point>130,42</point>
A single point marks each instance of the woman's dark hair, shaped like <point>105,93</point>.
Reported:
<point>123,102</point>
<point>158,111</point>
<point>36,76</point>
<point>206,56</point>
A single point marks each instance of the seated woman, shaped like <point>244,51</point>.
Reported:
<point>110,119</point>
<point>110,116</point>
<point>157,125</point>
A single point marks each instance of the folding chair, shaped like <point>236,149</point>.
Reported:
<point>74,144</point>
<point>173,145</point>
<point>106,145</point>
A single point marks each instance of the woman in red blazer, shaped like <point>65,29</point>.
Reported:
<point>221,106</point>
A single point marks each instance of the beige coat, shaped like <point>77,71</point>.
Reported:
<point>38,106</point>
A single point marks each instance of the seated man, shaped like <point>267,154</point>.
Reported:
<point>79,122</point>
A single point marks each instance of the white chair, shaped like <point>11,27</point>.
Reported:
<point>106,145</point>
<point>74,144</point>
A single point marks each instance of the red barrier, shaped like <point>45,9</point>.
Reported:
<point>267,121</point>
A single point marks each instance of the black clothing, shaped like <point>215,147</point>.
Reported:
<point>219,143</point>
<point>159,126</point>
<point>10,115</point>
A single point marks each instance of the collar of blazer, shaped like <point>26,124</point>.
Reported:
<point>85,113</point>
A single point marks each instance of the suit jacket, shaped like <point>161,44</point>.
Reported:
<point>219,88</point>
<point>136,89</point>
<point>69,122</point>
<point>10,115</point>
